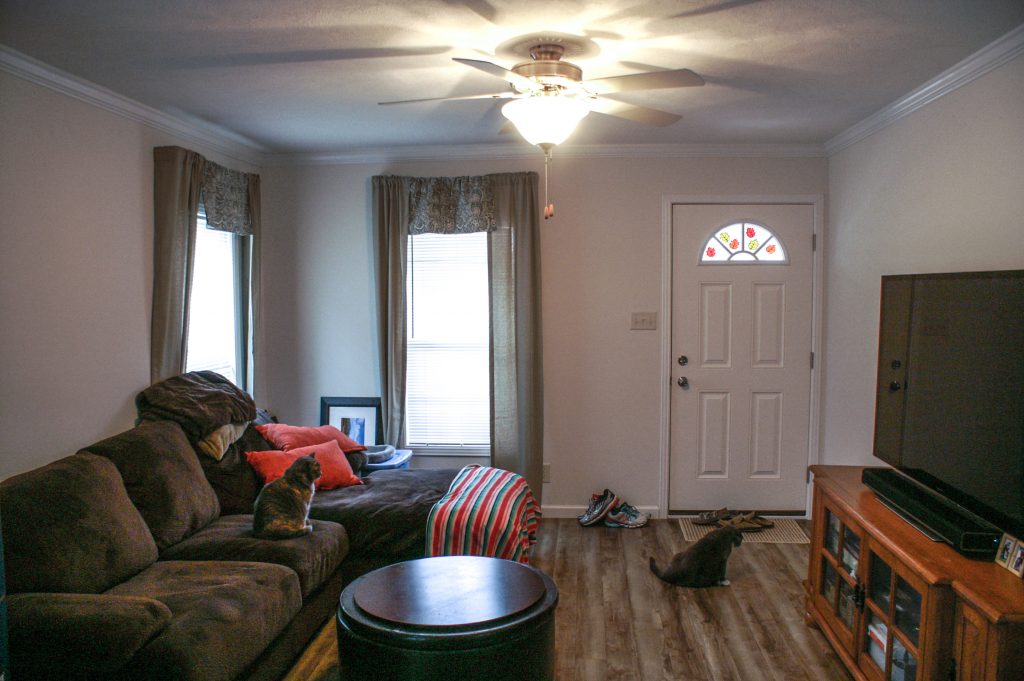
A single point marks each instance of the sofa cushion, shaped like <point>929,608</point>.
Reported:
<point>287,437</point>
<point>232,478</point>
<point>223,615</point>
<point>314,557</point>
<point>163,477</point>
<point>387,515</point>
<point>199,401</point>
<point>69,526</point>
<point>58,636</point>
<point>335,470</point>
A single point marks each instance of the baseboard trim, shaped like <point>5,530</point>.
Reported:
<point>551,511</point>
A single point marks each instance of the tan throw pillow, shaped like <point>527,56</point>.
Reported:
<point>216,443</point>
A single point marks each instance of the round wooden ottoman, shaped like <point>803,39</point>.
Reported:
<point>450,617</point>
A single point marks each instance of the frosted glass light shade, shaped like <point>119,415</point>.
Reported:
<point>545,119</point>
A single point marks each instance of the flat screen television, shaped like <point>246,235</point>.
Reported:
<point>949,409</point>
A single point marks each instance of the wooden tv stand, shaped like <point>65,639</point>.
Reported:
<point>898,606</point>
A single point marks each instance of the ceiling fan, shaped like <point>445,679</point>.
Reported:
<point>546,77</point>
<point>548,96</point>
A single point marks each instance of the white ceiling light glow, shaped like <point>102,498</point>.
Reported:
<point>545,119</point>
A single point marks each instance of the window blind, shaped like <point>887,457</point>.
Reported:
<point>211,323</point>
<point>447,381</point>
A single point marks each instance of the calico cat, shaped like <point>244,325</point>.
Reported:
<point>702,564</point>
<point>281,510</point>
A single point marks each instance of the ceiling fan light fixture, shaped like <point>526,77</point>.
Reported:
<point>545,119</point>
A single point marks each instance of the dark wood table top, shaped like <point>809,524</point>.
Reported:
<point>448,591</point>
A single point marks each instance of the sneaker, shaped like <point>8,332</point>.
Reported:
<point>625,515</point>
<point>600,504</point>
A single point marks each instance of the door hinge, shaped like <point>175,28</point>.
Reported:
<point>814,242</point>
<point>812,360</point>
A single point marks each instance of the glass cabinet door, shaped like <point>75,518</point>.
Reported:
<point>839,577</point>
<point>891,623</point>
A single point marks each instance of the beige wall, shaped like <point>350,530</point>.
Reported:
<point>941,190</point>
<point>601,260</point>
<point>76,252</point>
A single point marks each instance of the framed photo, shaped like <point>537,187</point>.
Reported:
<point>1016,564</point>
<point>357,417</point>
<point>1006,546</point>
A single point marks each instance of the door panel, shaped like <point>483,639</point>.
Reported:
<point>739,428</point>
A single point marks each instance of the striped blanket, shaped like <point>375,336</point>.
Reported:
<point>486,512</point>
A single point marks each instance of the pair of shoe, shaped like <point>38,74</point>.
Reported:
<point>747,522</point>
<point>613,511</point>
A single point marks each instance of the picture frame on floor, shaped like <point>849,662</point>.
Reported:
<point>357,417</point>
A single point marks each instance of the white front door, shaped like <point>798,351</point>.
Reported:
<point>741,348</point>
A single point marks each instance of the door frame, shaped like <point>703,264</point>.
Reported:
<point>817,202</point>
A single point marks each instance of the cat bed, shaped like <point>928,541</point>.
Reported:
<point>379,453</point>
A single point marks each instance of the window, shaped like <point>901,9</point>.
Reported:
<point>743,243</point>
<point>448,340</point>
<point>214,309</point>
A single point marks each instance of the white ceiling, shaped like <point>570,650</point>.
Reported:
<point>305,76</point>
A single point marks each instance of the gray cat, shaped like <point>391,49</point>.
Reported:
<point>281,510</point>
<point>702,564</point>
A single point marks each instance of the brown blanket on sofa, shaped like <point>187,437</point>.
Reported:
<point>199,401</point>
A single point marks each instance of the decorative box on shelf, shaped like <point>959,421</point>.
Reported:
<point>399,460</point>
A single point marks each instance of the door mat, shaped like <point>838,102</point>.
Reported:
<point>786,531</point>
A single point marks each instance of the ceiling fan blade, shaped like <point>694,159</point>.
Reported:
<point>301,56</point>
<point>640,114</point>
<point>655,80</point>
<point>711,9</point>
<point>496,95</point>
<point>501,72</point>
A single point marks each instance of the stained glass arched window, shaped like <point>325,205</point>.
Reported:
<point>744,243</point>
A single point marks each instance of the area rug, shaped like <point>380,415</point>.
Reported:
<point>786,531</point>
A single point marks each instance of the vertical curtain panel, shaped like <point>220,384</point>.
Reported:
<point>391,223</point>
<point>183,179</point>
<point>505,206</point>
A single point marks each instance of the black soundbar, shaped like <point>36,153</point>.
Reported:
<point>958,527</point>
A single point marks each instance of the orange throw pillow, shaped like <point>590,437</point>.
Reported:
<point>335,470</point>
<point>292,437</point>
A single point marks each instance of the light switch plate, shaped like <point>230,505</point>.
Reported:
<point>644,321</point>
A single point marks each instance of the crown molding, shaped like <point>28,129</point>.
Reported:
<point>514,151</point>
<point>994,55</point>
<point>194,131</point>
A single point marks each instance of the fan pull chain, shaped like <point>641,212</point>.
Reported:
<point>549,208</point>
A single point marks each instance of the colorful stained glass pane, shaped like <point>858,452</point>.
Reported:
<point>743,242</point>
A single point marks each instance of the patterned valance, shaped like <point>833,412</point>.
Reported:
<point>226,199</point>
<point>451,205</point>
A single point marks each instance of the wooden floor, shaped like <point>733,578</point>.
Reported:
<point>617,621</point>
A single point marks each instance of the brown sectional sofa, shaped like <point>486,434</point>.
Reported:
<point>121,564</point>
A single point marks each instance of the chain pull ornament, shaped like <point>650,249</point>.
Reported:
<point>549,208</point>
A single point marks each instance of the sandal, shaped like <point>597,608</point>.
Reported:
<point>745,522</point>
<point>713,517</point>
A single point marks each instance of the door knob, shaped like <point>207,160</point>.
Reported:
<point>683,360</point>
<point>682,382</point>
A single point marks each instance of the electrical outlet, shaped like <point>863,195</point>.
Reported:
<point>644,321</point>
<point>547,472</point>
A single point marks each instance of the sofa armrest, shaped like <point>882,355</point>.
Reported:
<point>62,635</point>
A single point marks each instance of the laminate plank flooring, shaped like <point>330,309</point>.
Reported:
<point>618,622</point>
